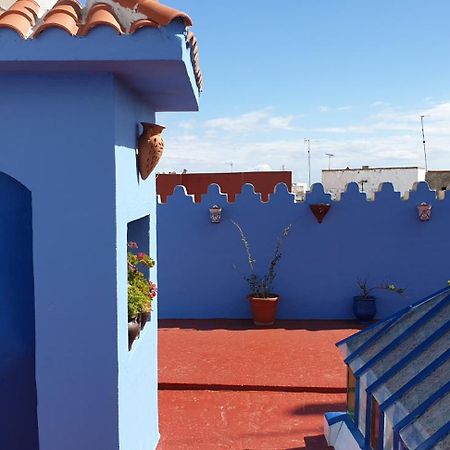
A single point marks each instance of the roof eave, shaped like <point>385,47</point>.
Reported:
<point>155,62</point>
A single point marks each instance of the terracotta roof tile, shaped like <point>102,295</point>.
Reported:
<point>142,23</point>
<point>66,14</point>
<point>155,11</point>
<point>21,17</point>
<point>25,18</point>
<point>101,14</point>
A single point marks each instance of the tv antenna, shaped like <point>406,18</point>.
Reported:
<point>231,164</point>
<point>308,146</point>
<point>330,155</point>
<point>424,148</point>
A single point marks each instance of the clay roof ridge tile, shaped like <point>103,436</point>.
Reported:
<point>125,16</point>
<point>161,14</point>
<point>63,16</point>
<point>20,17</point>
<point>101,13</point>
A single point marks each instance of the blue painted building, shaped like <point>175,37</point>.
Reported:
<point>398,382</point>
<point>381,240</point>
<point>76,83</point>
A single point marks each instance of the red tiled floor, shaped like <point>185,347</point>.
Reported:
<point>208,370</point>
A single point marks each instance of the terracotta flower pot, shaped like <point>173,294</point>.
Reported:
<point>150,148</point>
<point>143,319</point>
<point>133,331</point>
<point>264,310</point>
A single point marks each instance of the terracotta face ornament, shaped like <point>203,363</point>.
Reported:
<point>150,148</point>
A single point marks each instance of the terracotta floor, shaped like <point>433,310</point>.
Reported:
<point>227,385</point>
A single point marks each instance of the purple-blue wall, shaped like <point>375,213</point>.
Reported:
<point>382,240</point>
<point>70,114</point>
<point>17,338</point>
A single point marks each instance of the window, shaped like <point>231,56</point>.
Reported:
<point>351,398</point>
<point>374,423</point>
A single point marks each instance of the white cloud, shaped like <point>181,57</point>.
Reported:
<point>263,167</point>
<point>380,103</point>
<point>324,109</point>
<point>187,124</point>
<point>390,137</point>
<point>260,120</point>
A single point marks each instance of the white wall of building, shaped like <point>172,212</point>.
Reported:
<point>299,189</point>
<point>369,179</point>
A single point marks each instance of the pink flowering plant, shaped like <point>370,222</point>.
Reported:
<point>141,291</point>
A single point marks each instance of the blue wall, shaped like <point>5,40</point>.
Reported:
<point>136,220</point>
<point>382,240</point>
<point>57,140</point>
<point>18,416</point>
<point>69,132</point>
<point>85,188</point>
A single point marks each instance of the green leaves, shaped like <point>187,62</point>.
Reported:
<point>141,291</point>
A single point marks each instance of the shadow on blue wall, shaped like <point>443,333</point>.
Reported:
<point>18,417</point>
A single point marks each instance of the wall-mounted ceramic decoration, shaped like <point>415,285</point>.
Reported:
<point>215,214</point>
<point>424,210</point>
<point>320,210</point>
<point>150,148</point>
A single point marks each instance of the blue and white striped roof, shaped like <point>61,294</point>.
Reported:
<point>404,363</point>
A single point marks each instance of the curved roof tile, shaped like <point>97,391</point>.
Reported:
<point>155,11</point>
<point>142,23</point>
<point>66,14</point>
<point>18,20</point>
<point>101,14</point>
<point>76,20</point>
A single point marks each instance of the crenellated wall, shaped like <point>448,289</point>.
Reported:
<point>381,240</point>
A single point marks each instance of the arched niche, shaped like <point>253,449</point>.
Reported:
<point>18,416</point>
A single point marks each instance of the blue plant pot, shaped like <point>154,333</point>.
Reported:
<point>364,308</point>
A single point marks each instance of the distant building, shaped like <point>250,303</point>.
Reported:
<point>299,189</point>
<point>439,180</point>
<point>369,179</point>
<point>230,183</point>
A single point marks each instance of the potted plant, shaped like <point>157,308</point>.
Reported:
<point>141,292</point>
<point>146,310</point>
<point>364,305</point>
<point>262,299</point>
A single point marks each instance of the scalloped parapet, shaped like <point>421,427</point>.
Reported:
<point>387,192</point>
<point>317,195</point>
<point>420,192</point>
<point>352,194</point>
<point>382,240</point>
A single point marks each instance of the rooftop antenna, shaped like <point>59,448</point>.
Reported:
<point>424,148</point>
<point>231,164</point>
<point>308,146</point>
<point>330,155</point>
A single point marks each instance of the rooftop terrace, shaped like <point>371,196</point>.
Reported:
<point>226,384</point>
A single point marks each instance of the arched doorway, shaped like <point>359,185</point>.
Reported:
<point>18,416</point>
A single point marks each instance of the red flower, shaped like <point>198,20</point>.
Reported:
<point>141,255</point>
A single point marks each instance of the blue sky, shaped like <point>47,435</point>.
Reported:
<point>353,76</point>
